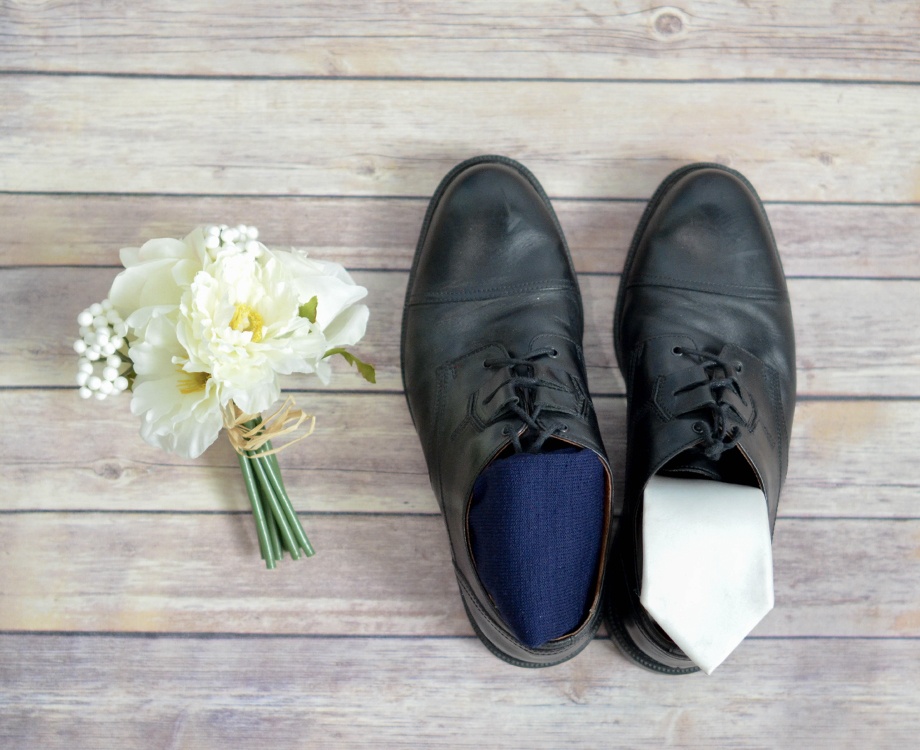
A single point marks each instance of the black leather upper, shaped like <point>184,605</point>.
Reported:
<point>703,284</point>
<point>492,279</point>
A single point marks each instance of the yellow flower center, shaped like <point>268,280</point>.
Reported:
<point>247,319</point>
<point>192,382</point>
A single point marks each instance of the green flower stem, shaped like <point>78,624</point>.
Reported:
<point>273,536</point>
<point>268,495</point>
<point>257,512</point>
<point>277,523</point>
<point>273,471</point>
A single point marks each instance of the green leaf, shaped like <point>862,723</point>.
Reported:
<point>308,310</point>
<point>364,369</point>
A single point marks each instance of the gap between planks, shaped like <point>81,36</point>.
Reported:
<point>826,313</point>
<point>841,453</point>
<point>62,692</point>
<point>372,233</point>
<point>383,575</point>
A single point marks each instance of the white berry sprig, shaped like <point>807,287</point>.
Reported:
<point>221,235</point>
<point>104,368</point>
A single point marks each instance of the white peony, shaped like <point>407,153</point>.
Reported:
<point>239,320</point>
<point>217,317</point>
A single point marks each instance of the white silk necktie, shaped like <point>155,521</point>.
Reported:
<point>707,572</point>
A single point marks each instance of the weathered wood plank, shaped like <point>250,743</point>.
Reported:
<point>814,239</point>
<point>363,456</point>
<point>40,306</point>
<point>381,575</point>
<point>803,142</point>
<point>395,693</point>
<point>589,39</point>
<point>372,647</point>
<point>852,458</point>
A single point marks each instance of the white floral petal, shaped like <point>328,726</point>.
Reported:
<point>129,256</point>
<point>145,285</point>
<point>166,248</point>
<point>176,420</point>
<point>333,296</point>
<point>157,398</point>
<point>302,266</point>
<point>139,320</point>
<point>196,433</point>
<point>349,328</point>
<point>158,439</point>
<point>258,397</point>
<point>324,371</point>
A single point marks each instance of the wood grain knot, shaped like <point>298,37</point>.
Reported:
<point>669,23</point>
<point>108,470</point>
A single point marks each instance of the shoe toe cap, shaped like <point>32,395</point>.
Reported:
<point>491,230</point>
<point>710,232</point>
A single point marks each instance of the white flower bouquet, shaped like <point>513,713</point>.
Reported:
<point>199,331</point>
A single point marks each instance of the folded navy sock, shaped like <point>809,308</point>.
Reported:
<point>536,524</point>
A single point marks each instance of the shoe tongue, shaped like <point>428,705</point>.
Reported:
<point>694,464</point>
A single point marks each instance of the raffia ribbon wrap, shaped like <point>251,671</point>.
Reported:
<point>249,432</point>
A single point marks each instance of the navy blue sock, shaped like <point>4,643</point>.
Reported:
<point>536,524</point>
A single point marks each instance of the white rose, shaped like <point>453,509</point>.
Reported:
<point>155,276</point>
<point>339,321</point>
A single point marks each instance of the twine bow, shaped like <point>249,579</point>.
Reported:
<point>249,432</point>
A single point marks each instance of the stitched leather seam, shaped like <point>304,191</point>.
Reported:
<point>581,396</point>
<point>482,293</point>
<point>771,381</point>
<point>754,421</point>
<point>729,290</point>
<point>766,430</point>
<point>663,277</point>
<point>778,406</point>
<point>444,372</point>
<point>468,419</point>
<point>664,413</point>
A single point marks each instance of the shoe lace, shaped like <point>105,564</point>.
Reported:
<point>722,431</point>
<point>524,382</point>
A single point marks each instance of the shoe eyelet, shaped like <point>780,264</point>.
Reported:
<point>738,367</point>
<point>677,351</point>
<point>564,428</point>
<point>554,353</point>
<point>506,430</point>
<point>698,427</point>
<point>485,364</point>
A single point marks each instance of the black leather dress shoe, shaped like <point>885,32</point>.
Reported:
<point>705,343</point>
<point>492,366</point>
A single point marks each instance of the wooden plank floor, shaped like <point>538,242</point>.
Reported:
<point>133,609</point>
